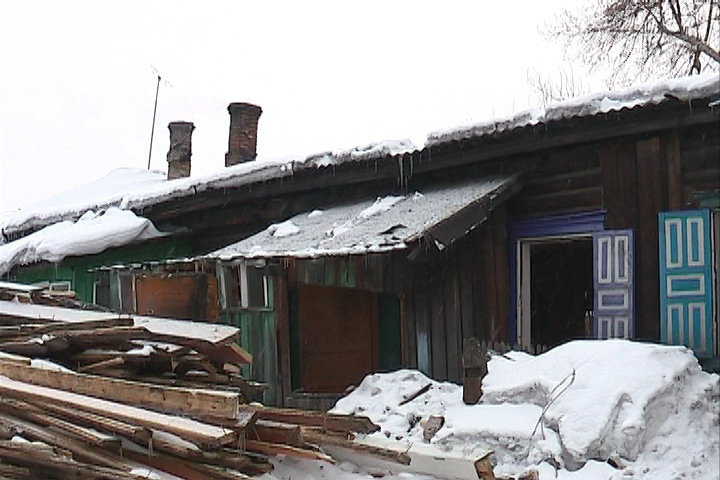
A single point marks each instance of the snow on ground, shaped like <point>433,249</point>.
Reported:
<point>287,468</point>
<point>91,233</point>
<point>650,408</point>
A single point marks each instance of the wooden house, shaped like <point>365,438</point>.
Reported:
<point>595,218</point>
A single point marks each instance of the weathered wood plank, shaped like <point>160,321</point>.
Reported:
<point>78,448</point>
<point>202,434</point>
<point>651,202</point>
<point>437,328</point>
<point>189,401</point>
<point>674,171</point>
<point>329,421</point>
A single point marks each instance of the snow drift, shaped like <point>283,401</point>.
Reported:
<point>649,408</point>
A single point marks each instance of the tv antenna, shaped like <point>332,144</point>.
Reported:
<point>157,91</point>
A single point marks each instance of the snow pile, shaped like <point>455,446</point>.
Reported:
<point>685,89</point>
<point>92,233</point>
<point>382,204</point>
<point>283,229</point>
<point>649,408</point>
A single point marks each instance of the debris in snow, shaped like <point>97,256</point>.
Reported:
<point>284,229</point>
<point>659,419</point>
<point>92,233</point>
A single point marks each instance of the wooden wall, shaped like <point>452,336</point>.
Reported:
<point>453,295</point>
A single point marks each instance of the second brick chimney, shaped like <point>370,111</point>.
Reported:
<point>242,145</point>
<point>178,156</point>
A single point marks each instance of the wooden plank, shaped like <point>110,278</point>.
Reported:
<point>94,367</point>
<point>437,328</point>
<point>453,328</point>
<point>612,195</point>
<point>466,293</point>
<point>44,463</point>
<point>410,334</point>
<point>98,422</point>
<point>651,202</point>
<point>502,278</point>
<point>78,448</point>
<point>329,421</point>
<point>35,415</point>
<point>489,318</point>
<point>202,434</point>
<point>282,311</point>
<point>277,432</point>
<point>422,324</point>
<point>370,450</point>
<point>274,449</point>
<point>674,171</point>
<point>188,401</point>
<point>168,464</point>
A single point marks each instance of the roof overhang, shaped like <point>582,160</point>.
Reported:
<point>433,218</point>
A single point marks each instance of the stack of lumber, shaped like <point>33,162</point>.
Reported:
<point>63,424</point>
<point>163,351</point>
<point>92,395</point>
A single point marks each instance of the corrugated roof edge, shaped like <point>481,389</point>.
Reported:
<point>706,86</point>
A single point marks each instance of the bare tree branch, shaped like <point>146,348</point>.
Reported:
<point>643,39</point>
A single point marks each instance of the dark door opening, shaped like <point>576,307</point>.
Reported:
<point>561,290</point>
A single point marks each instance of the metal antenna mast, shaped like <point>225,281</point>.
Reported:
<point>152,132</point>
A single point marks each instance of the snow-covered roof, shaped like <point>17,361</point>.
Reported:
<point>379,225</point>
<point>91,233</point>
<point>134,188</point>
<point>129,188</point>
<point>684,89</point>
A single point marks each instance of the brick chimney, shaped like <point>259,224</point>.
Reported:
<point>178,156</point>
<point>242,145</point>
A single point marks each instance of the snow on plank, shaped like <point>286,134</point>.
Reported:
<point>204,435</point>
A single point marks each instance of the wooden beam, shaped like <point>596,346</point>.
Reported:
<point>44,463</point>
<point>274,449</point>
<point>384,453</point>
<point>207,436</point>
<point>189,401</point>
<point>329,421</point>
<point>674,171</point>
<point>98,422</point>
<point>35,415</point>
<point>78,448</point>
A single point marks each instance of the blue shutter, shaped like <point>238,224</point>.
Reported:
<point>686,308</point>
<point>613,270</point>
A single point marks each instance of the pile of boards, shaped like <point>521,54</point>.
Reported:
<point>91,395</point>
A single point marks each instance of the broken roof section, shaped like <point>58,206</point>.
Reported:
<point>438,215</point>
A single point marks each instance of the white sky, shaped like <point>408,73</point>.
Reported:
<point>77,87</point>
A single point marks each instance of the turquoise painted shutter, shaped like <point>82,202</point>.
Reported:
<point>686,303</point>
<point>613,268</point>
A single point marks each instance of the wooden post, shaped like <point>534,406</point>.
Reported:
<point>474,362</point>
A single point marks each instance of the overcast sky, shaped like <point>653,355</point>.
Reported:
<point>77,83</point>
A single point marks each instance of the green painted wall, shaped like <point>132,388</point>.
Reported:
<point>258,335</point>
<point>75,269</point>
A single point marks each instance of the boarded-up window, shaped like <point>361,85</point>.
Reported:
<point>338,337</point>
<point>190,297</point>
